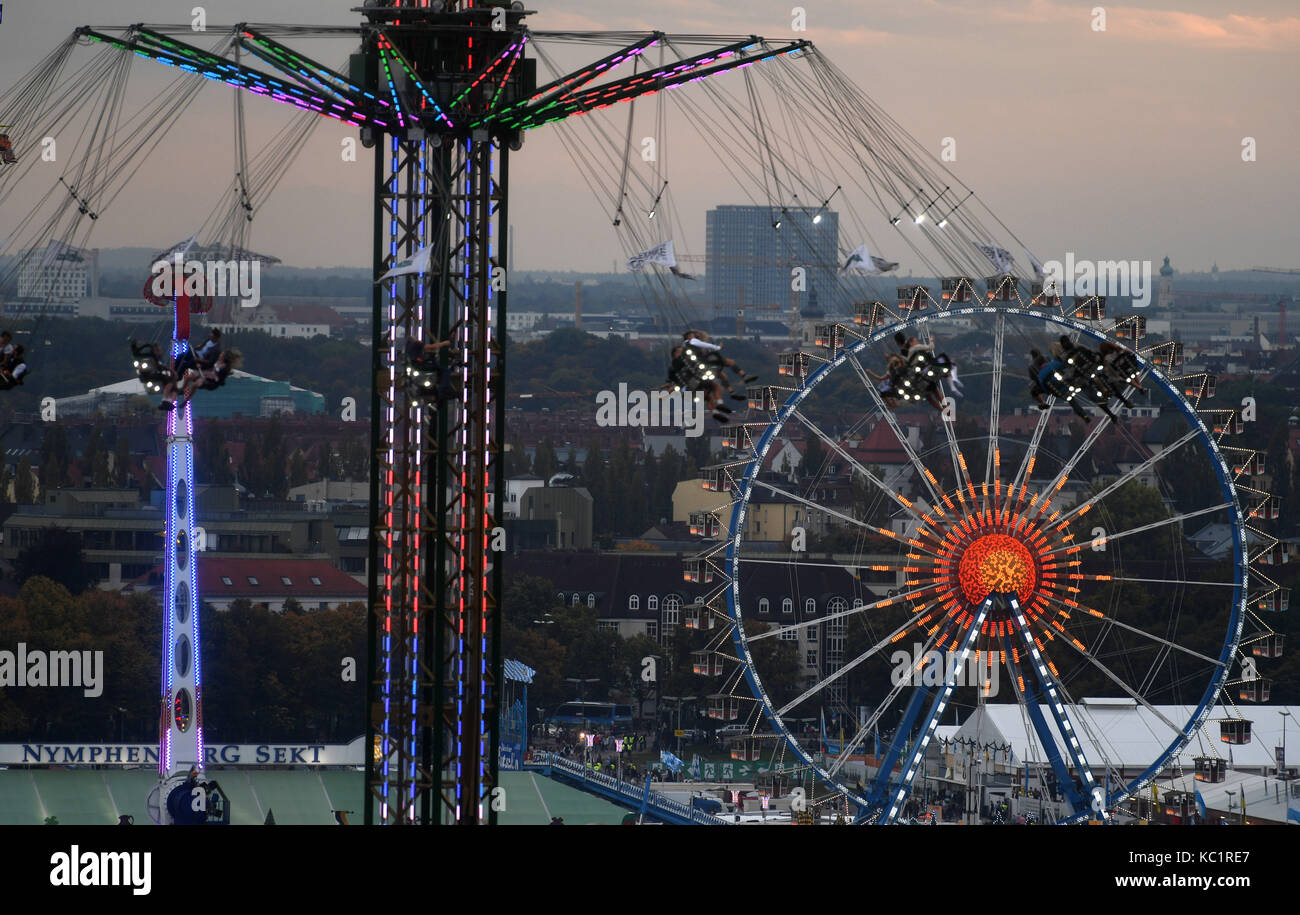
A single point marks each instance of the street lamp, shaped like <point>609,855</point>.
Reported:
<point>582,691</point>
<point>678,700</point>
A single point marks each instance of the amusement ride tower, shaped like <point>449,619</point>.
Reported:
<point>442,91</point>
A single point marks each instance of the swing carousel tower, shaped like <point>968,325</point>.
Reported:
<point>442,91</point>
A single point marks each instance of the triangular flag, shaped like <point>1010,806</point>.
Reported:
<point>1000,257</point>
<point>863,261</point>
<point>662,255</point>
<point>416,263</point>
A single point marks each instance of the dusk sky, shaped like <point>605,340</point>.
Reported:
<point>1124,143</point>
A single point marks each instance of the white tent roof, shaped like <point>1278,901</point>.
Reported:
<point>135,386</point>
<point>1123,734</point>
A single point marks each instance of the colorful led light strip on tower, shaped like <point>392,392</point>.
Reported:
<point>181,719</point>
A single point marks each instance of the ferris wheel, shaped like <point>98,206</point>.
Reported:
<point>1014,548</point>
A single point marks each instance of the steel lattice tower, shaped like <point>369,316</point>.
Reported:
<point>442,91</point>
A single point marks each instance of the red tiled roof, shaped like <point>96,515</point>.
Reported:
<point>269,574</point>
<point>880,446</point>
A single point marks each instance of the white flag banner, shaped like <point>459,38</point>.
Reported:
<point>659,254</point>
<point>1039,272</point>
<point>416,263</point>
<point>863,261</point>
<point>1000,257</point>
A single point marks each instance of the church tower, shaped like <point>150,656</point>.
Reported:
<point>1165,292</point>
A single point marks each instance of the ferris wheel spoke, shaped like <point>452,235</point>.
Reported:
<point>927,477</point>
<point>840,614</point>
<point>1031,453</point>
<point>1066,469</point>
<point>832,512</point>
<point>864,729</point>
<point>1142,632</point>
<point>916,757</point>
<point>1174,519</point>
<point>1094,795</point>
<point>867,726</point>
<point>835,675</point>
<point>995,400</point>
<point>1156,581</point>
<point>1133,694</point>
<point>856,464</point>
<point>1131,474</point>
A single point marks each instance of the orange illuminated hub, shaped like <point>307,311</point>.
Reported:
<point>997,564</point>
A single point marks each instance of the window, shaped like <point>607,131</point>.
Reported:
<point>559,598</point>
<point>857,602</point>
<point>252,580</point>
<point>633,602</point>
<point>812,633</point>
<point>591,600</point>
<point>763,605</point>
<point>607,626</point>
<point>672,610</point>
<point>315,581</point>
<point>576,599</point>
<point>787,606</point>
<point>812,657</point>
<point>652,629</point>
<point>789,635</point>
<point>225,580</point>
<point>285,580</point>
<point>652,602</point>
<point>810,606</point>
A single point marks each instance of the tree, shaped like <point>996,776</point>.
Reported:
<point>297,468</point>
<point>54,457</point>
<point>814,456</point>
<point>24,485</point>
<point>545,462</point>
<point>51,478</point>
<point>57,555</point>
<point>516,458</point>
<point>122,460</point>
<point>97,458</point>
<point>274,458</point>
<point>252,468</point>
<point>593,476</point>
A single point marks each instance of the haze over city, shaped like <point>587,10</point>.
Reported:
<point>1125,142</point>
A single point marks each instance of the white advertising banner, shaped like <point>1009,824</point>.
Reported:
<point>216,754</point>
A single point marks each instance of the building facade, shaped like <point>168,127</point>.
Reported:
<point>750,260</point>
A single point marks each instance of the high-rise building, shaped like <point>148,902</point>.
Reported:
<point>752,252</point>
<point>59,275</point>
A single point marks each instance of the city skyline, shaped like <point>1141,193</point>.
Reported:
<point>1140,154</point>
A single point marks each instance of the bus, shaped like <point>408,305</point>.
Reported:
<point>607,715</point>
